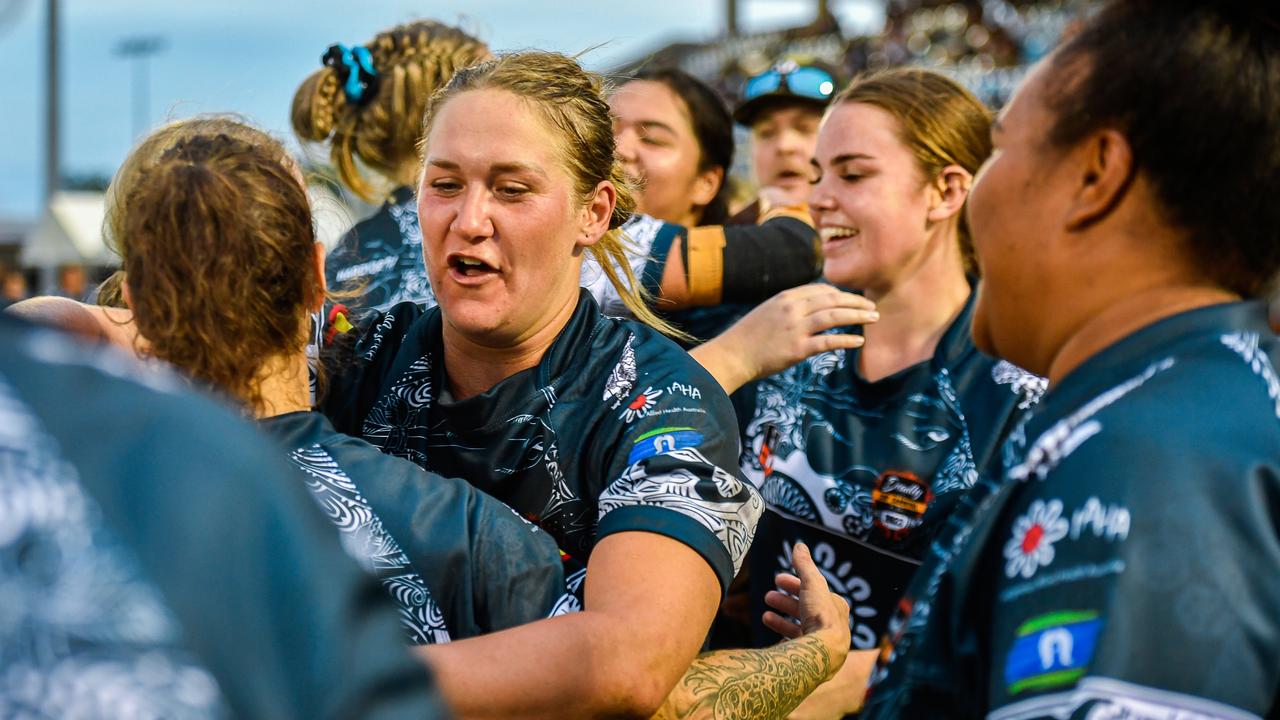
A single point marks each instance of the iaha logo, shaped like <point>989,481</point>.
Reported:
<point>641,404</point>
<point>1034,534</point>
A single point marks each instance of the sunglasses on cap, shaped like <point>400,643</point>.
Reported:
<point>789,78</point>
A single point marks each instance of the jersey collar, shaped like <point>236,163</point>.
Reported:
<point>1133,354</point>
<point>528,390</point>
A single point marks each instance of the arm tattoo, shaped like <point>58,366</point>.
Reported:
<point>765,683</point>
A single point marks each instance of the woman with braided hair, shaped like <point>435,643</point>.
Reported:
<point>366,104</point>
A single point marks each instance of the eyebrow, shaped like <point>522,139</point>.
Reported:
<point>495,169</point>
<point>507,168</point>
<point>650,124</point>
<point>850,157</point>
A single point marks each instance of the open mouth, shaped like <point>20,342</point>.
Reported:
<point>470,267</point>
<point>829,234</point>
<point>790,176</point>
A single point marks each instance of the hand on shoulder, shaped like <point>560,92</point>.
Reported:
<point>782,331</point>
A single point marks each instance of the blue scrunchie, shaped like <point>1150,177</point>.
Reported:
<point>354,67</point>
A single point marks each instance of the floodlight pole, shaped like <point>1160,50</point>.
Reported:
<point>52,170</point>
<point>139,50</point>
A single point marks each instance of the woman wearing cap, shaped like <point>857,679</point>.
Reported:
<point>862,454</point>
<point>783,108</point>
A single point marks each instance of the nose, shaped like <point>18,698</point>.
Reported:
<point>473,221</point>
<point>821,196</point>
<point>821,192</point>
<point>790,142</point>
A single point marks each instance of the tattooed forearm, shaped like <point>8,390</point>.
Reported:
<point>756,684</point>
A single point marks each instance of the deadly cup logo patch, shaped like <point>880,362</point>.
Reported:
<point>899,502</point>
<point>1034,534</point>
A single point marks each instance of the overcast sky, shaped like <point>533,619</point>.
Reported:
<point>248,56</point>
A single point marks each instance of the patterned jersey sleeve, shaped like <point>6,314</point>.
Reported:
<point>357,363</point>
<point>672,466</point>
<point>487,568</point>
<point>1147,587</point>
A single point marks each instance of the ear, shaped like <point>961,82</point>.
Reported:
<point>706,185</point>
<point>597,213</point>
<point>1105,172</point>
<point>317,267</point>
<point>948,192</point>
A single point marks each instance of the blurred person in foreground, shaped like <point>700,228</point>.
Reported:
<point>1126,563</point>
<point>153,552</point>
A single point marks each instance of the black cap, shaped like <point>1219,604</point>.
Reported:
<point>786,84</point>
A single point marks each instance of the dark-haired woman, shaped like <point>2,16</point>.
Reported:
<point>675,137</point>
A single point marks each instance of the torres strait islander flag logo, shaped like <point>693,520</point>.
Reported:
<point>1034,534</point>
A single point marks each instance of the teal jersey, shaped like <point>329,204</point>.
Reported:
<point>158,558</point>
<point>1126,560</point>
<point>616,429</point>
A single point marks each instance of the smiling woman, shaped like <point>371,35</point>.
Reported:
<point>675,135</point>
<point>862,453</point>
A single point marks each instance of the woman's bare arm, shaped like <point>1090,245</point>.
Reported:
<point>769,683</point>
<point>113,325</point>
<point>649,603</point>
